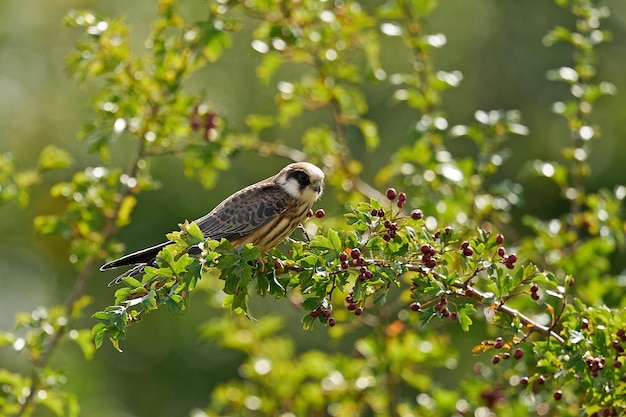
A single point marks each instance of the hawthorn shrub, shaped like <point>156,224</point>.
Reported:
<point>400,276</point>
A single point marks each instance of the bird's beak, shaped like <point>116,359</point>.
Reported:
<point>317,187</point>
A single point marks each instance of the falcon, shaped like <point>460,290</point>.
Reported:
<point>263,214</point>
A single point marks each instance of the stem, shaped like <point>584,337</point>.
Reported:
<point>78,290</point>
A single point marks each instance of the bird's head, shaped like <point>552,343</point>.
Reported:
<point>302,180</point>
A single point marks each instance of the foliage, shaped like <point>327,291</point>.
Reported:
<point>398,277</point>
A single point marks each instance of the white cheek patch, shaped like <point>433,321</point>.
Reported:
<point>292,187</point>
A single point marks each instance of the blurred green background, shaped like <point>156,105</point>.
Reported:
<point>496,44</point>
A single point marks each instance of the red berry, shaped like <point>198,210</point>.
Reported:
<point>469,292</point>
<point>557,395</point>
<point>501,252</point>
<point>617,346</point>
<point>309,213</point>
<point>355,253</point>
<point>534,296</point>
<point>402,197</point>
<point>374,212</point>
<point>617,364</point>
<point>445,312</point>
<point>499,239</point>
<point>425,249</point>
<point>506,355</point>
<point>415,306</point>
<point>512,258</point>
<point>381,213</point>
<point>524,380</point>
<point>417,214</point>
<point>464,244</point>
<point>534,288</point>
<point>541,380</point>
<point>315,313</point>
<point>498,343</point>
<point>351,307</point>
<point>386,237</point>
<point>320,213</point>
<point>358,311</point>
<point>332,321</point>
<point>584,324</point>
<point>400,203</point>
<point>468,251</point>
<point>391,193</point>
<point>518,354</point>
<point>326,313</point>
<point>343,257</point>
<point>454,316</point>
<point>447,230</point>
<point>431,263</point>
<point>495,359</point>
<point>345,265</point>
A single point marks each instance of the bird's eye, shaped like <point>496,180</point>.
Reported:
<point>303,178</point>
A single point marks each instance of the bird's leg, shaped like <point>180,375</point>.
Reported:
<point>305,233</point>
<point>279,265</point>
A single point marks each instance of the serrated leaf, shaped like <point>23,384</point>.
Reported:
<point>464,313</point>
<point>335,241</point>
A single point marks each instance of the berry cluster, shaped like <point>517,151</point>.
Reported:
<point>326,313</point>
<point>205,121</point>
<point>427,255</point>
<point>534,292</point>
<point>352,305</point>
<point>319,213</point>
<point>466,248</point>
<point>518,353</point>
<point>391,195</point>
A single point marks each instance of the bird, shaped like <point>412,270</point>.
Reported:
<point>263,214</point>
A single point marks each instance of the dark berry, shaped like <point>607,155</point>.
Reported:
<point>320,213</point>
<point>506,355</point>
<point>498,343</point>
<point>355,253</point>
<point>309,213</point>
<point>402,197</point>
<point>374,212</point>
<point>417,214</point>
<point>518,354</point>
<point>315,313</point>
<point>512,258</point>
<point>534,288</point>
<point>400,203</point>
<point>369,274</point>
<point>557,395</point>
<point>495,359</point>
<point>524,380</point>
<point>358,311</point>
<point>360,261</point>
<point>541,380</point>
<point>445,312</point>
<point>534,296</point>
<point>345,265</point>
<point>351,307</point>
<point>464,244</point>
<point>617,346</point>
<point>381,213</point>
<point>448,230</point>
<point>431,263</point>
<point>343,257</point>
<point>468,251</point>
<point>326,313</point>
<point>501,251</point>
<point>617,364</point>
<point>332,321</point>
<point>509,265</point>
<point>425,249</point>
<point>499,239</point>
<point>621,334</point>
<point>415,306</point>
<point>584,324</point>
<point>454,316</point>
<point>386,237</point>
<point>469,292</point>
<point>387,224</point>
<point>437,234</point>
<point>391,193</point>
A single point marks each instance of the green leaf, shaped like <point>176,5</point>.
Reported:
<point>465,312</point>
<point>53,157</point>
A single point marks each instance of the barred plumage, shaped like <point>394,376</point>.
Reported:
<point>263,214</point>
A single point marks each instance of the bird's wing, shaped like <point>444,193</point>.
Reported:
<point>243,212</point>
